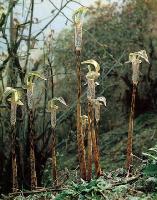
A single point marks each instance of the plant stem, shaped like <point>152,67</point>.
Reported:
<point>89,156</point>
<point>82,154</point>
<point>32,153</point>
<point>54,160</point>
<point>130,130</point>
<point>14,163</point>
<point>80,138</point>
<point>96,152</point>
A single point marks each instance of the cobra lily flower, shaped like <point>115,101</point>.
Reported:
<point>91,76</point>
<point>135,59</point>
<point>52,108</point>
<point>14,100</point>
<point>78,20</point>
<point>30,85</point>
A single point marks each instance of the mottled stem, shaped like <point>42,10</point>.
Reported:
<point>54,160</point>
<point>14,162</point>
<point>80,138</point>
<point>96,155</point>
<point>89,148</point>
<point>32,153</point>
<point>130,130</point>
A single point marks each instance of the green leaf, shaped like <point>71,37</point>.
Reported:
<point>150,156</point>
<point>150,170</point>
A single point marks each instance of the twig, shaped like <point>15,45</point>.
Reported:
<point>52,19</point>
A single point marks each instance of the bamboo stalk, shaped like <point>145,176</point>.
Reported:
<point>130,130</point>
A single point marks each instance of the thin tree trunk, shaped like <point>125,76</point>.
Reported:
<point>80,138</point>
<point>89,148</point>
<point>14,162</point>
<point>11,77</point>
<point>130,131</point>
<point>54,160</point>
<point>32,153</point>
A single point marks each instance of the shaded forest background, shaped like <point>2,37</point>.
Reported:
<point>110,33</point>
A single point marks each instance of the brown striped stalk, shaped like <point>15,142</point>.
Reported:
<point>96,155</point>
<point>82,146</point>
<point>54,159</point>
<point>32,153</point>
<point>134,58</point>
<point>31,137</point>
<point>14,162</point>
<point>89,144</point>
<point>80,137</point>
<point>130,130</point>
<point>95,120</point>
<point>98,169</point>
<point>90,96</point>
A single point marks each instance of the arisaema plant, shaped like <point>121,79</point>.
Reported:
<point>13,96</point>
<point>29,86</point>
<point>52,108</point>
<point>135,59</point>
<point>97,103</point>
<point>78,21</point>
<point>92,76</point>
